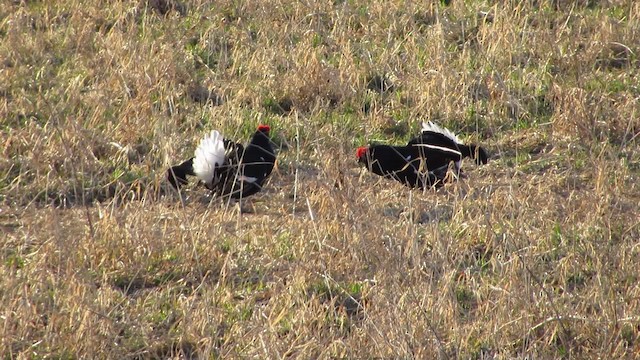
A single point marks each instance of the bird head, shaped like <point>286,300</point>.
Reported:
<point>361,153</point>
<point>264,128</point>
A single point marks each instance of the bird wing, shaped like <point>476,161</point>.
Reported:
<point>226,174</point>
<point>436,155</point>
<point>443,151</point>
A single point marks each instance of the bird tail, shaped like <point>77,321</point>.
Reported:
<point>177,175</point>
<point>475,152</point>
<point>433,127</point>
<point>208,156</point>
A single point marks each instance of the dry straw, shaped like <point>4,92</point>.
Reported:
<point>531,256</point>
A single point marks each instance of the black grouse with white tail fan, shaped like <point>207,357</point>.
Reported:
<point>424,162</point>
<point>226,167</point>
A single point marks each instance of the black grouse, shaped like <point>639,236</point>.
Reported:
<point>226,167</point>
<point>424,161</point>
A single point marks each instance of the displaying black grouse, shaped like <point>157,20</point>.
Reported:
<point>226,167</point>
<point>424,161</point>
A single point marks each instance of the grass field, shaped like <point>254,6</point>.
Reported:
<point>534,255</point>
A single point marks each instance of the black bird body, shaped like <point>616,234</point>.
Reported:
<point>227,168</point>
<point>401,163</point>
<point>246,175</point>
<point>425,160</point>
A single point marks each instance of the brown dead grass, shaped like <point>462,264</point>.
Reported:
<point>533,256</point>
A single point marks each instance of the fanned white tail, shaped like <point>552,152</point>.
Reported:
<point>208,156</point>
<point>430,126</point>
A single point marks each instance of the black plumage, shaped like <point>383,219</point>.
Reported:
<point>401,163</point>
<point>425,160</point>
<point>447,147</point>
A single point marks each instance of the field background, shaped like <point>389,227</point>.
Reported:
<point>533,255</point>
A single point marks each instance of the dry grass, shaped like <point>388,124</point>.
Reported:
<point>534,255</point>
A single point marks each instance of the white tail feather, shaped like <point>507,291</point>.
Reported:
<point>208,156</point>
<point>430,126</point>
